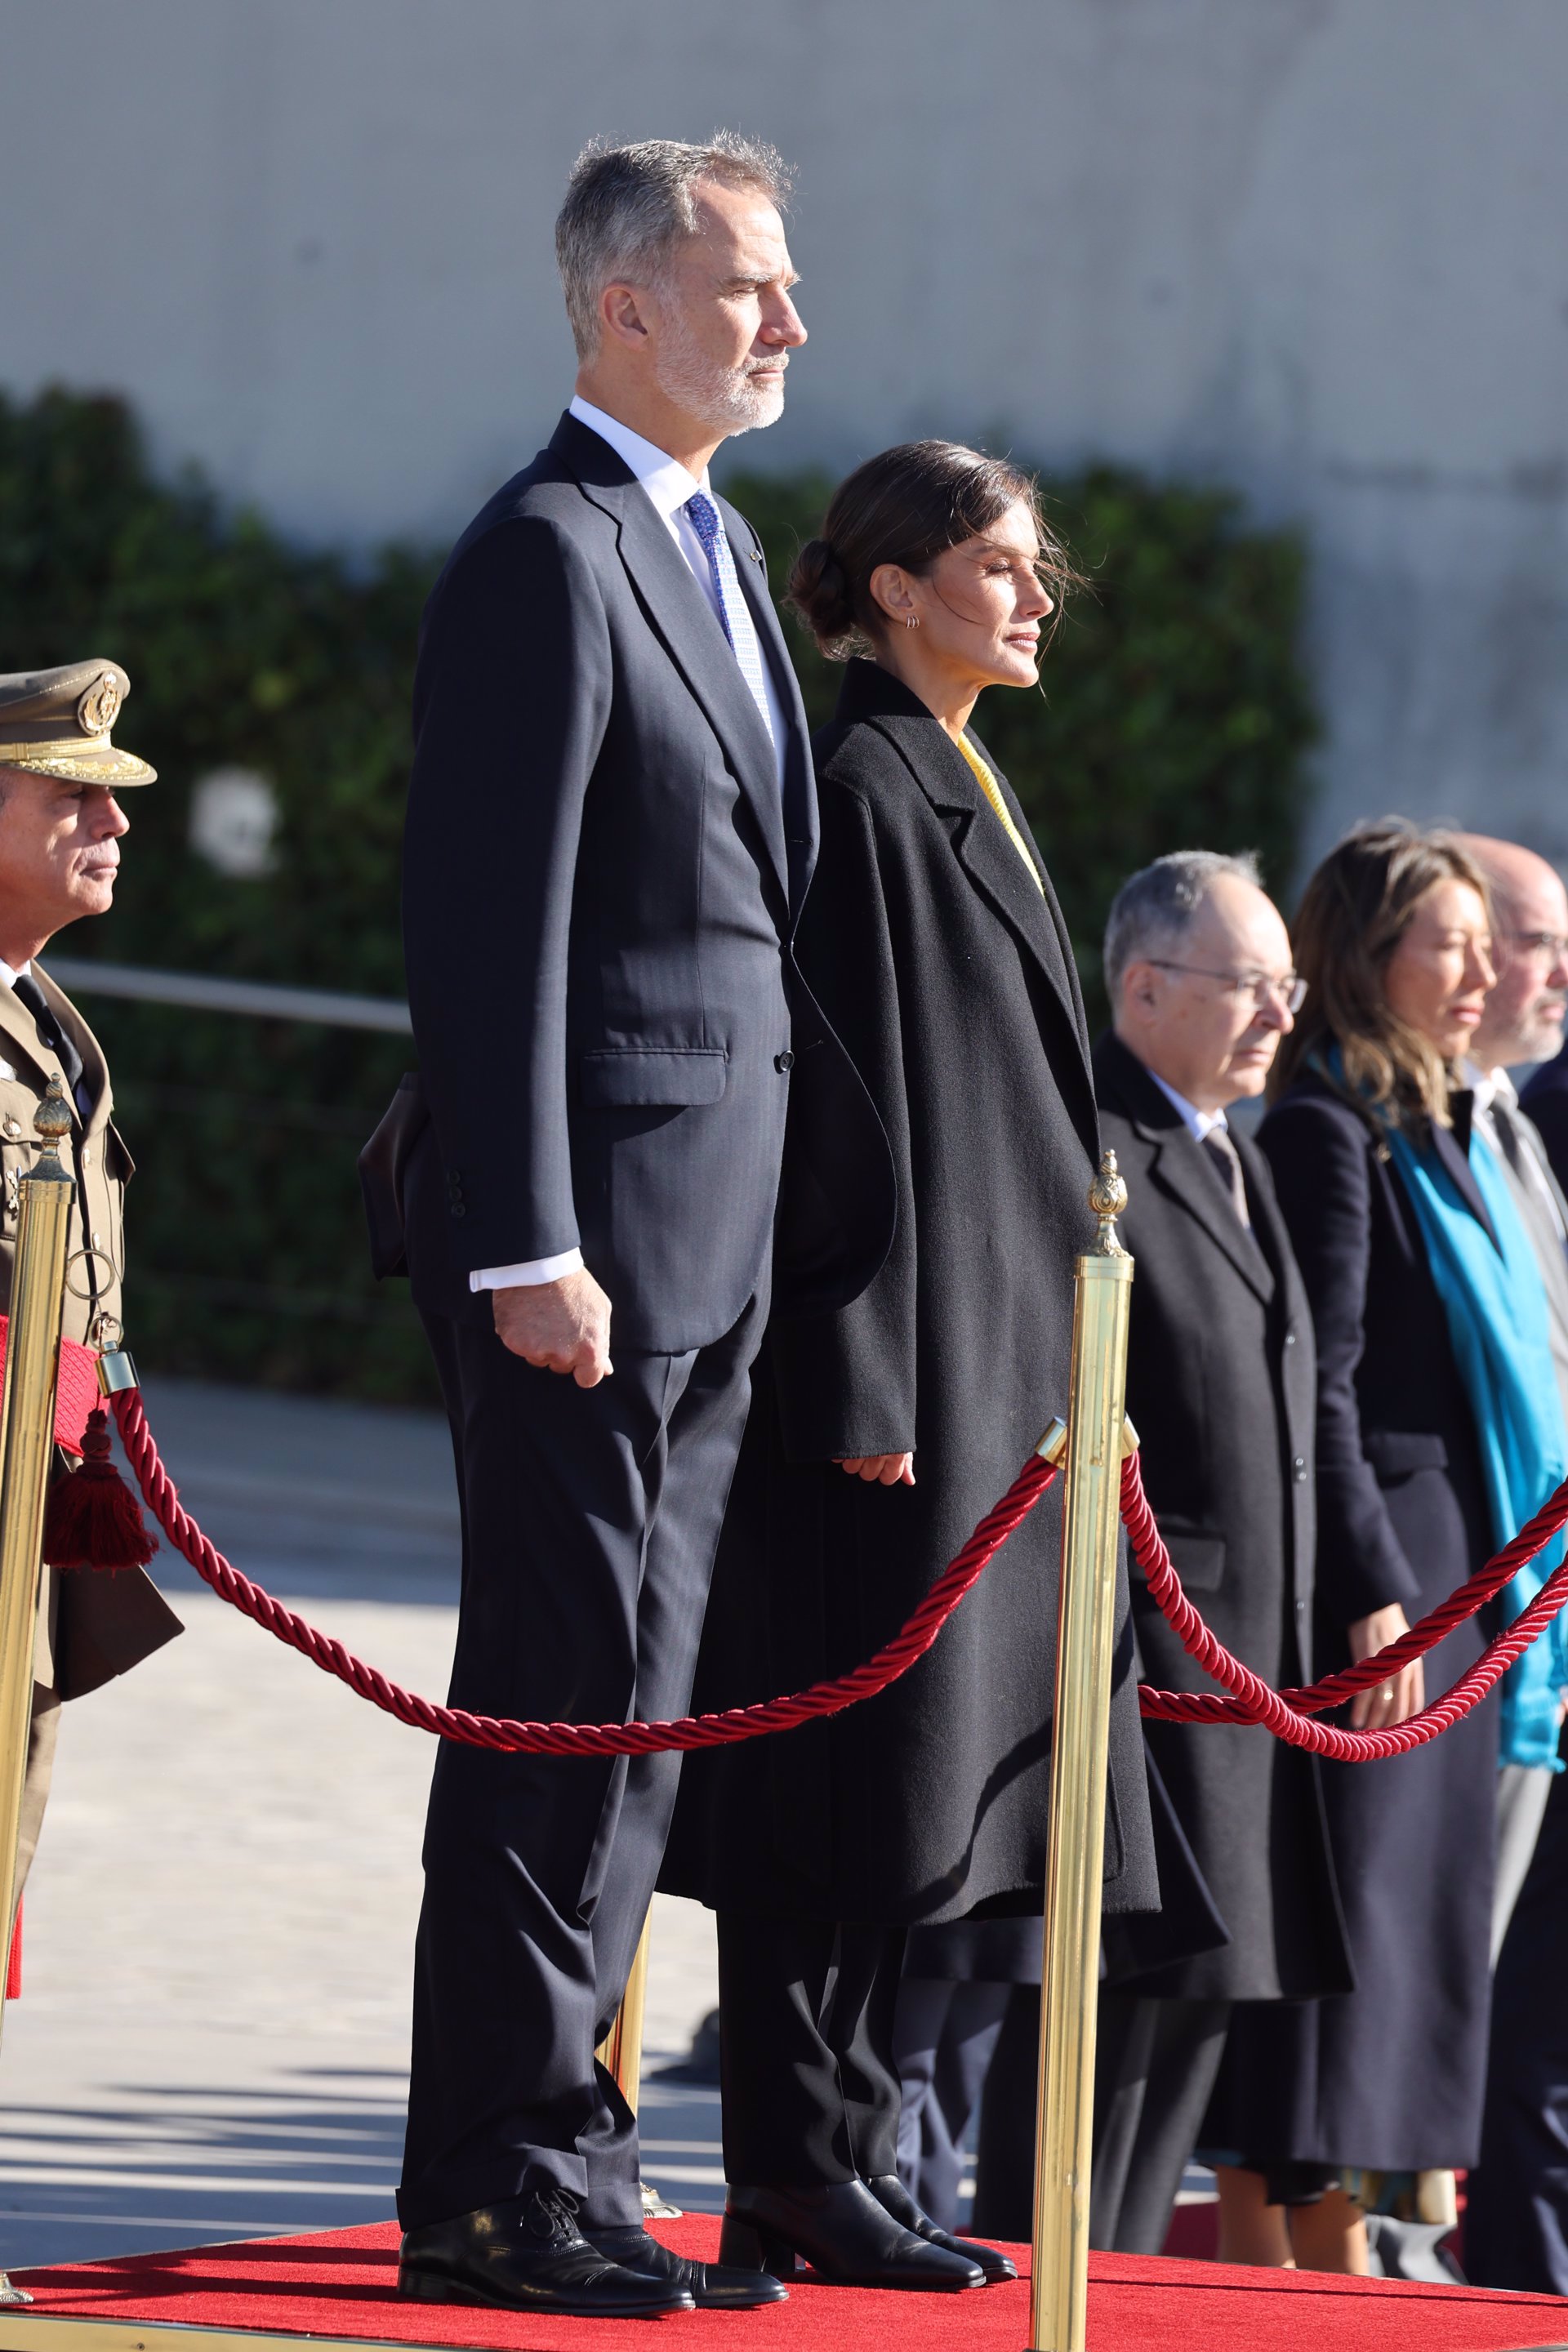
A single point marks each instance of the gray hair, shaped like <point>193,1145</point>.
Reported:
<point>1151,911</point>
<point>626,206</point>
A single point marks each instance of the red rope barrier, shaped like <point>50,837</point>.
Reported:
<point>1288,1714</point>
<point>500,1732</point>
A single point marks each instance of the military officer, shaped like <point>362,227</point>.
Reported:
<point>60,829</point>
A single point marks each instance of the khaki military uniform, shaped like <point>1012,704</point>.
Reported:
<point>92,1625</point>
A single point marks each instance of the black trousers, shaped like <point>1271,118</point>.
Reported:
<point>945,2034</point>
<point>590,1521</point>
<point>1516,2216</point>
<point>1154,2067</point>
<point>1156,2064</point>
<point>806,2058</point>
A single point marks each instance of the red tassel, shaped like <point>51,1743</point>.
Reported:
<point>13,1964</point>
<point>93,1520</point>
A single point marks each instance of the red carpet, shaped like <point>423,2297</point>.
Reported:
<point>337,2284</point>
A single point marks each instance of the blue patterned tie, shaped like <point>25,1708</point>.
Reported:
<point>733,610</point>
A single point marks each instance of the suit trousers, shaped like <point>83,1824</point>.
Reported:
<point>806,2057</point>
<point>1156,2064</point>
<point>590,1519</point>
<point>1516,2213</point>
<point>945,2035</point>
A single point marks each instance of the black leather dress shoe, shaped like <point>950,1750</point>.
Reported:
<point>842,2231</point>
<point>528,2255</point>
<point>893,2197</point>
<point>709,2285</point>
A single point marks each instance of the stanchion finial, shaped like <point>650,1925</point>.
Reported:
<point>1107,1199</point>
<point>52,1119</point>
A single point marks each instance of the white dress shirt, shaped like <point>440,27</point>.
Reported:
<point>667,486</point>
<point>1489,1086</point>
<point>1198,1123</point>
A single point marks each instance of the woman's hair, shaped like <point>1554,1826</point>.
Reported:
<point>906,506</point>
<point>1355,911</point>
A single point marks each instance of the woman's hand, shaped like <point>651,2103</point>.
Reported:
<point>1403,1694</point>
<point>881,1469</point>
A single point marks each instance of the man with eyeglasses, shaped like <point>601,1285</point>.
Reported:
<point>1221,1388</point>
<point>1517,2217</point>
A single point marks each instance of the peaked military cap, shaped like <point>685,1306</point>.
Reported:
<point>56,722</point>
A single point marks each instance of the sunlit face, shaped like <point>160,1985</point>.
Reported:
<point>1207,1016</point>
<point>1524,1014</point>
<point>977,607</point>
<point>720,317</point>
<point>1437,977</point>
<point>60,851</point>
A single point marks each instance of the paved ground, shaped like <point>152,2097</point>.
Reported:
<point>213,2034</point>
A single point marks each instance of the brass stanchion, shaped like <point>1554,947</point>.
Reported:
<point>620,2052</point>
<point>1086,1629</point>
<point>27,1443</point>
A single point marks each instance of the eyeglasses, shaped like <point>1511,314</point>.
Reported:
<point>1289,989</point>
<point>1552,945</point>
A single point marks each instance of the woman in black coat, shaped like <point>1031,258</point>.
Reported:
<point>1391,937</point>
<point>880,1436</point>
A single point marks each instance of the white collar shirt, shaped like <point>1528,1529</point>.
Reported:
<point>1488,1088</point>
<point>667,486</point>
<point>8,978</point>
<point>1198,1123</point>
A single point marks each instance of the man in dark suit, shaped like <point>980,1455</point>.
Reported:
<point>1546,1098</point>
<point>1516,2221</point>
<point>611,827</point>
<point>1221,1390</point>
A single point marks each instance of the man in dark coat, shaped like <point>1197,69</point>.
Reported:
<point>1221,1390</point>
<point>1546,1100</point>
<point>611,828</point>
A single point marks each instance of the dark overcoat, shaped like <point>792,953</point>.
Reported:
<point>1546,1100</point>
<point>1221,1388</point>
<point>947,972</point>
<point>1389,2076</point>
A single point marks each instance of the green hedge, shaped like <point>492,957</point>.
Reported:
<point>1175,711</point>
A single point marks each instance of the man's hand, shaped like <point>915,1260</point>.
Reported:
<point>1403,1694</point>
<point>881,1469</point>
<point>561,1325</point>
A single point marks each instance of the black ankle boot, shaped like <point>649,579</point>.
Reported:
<point>842,2231</point>
<point>893,2197</point>
<point>528,2255</point>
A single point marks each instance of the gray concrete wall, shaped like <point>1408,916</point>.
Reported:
<point>1313,247</point>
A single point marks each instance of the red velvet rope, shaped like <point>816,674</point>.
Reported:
<point>1288,1714</point>
<point>500,1732</point>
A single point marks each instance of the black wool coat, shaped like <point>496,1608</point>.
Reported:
<point>948,975</point>
<point>1389,2076</point>
<point>1221,1388</point>
<point>1546,1100</point>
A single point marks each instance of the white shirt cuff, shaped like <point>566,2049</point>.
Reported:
<point>533,1270</point>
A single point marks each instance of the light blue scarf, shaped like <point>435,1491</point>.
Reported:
<point>1496,1310</point>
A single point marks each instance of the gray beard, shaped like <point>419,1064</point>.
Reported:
<point>713,395</point>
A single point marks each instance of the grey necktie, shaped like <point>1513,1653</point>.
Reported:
<point>1226,1161</point>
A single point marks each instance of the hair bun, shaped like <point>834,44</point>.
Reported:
<point>819,590</point>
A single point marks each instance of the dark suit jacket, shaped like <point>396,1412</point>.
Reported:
<point>1221,1388</point>
<point>1546,1100</point>
<point>947,974</point>
<point>602,878</point>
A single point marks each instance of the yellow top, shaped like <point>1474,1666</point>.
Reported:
<point>993,791</point>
